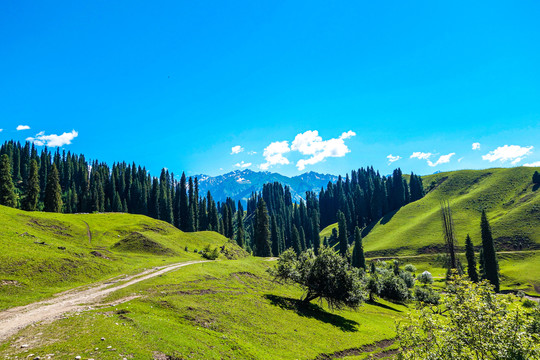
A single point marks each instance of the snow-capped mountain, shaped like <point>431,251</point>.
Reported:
<point>239,184</point>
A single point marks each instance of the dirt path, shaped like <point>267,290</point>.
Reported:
<point>88,232</point>
<point>16,319</point>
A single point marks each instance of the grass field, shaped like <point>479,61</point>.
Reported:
<point>216,310</point>
<point>45,253</point>
<point>511,202</point>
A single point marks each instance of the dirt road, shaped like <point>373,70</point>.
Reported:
<point>16,319</point>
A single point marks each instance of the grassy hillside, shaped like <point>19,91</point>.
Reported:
<point>44,253</point>
<point>215,310</point>
<point>511,201</point>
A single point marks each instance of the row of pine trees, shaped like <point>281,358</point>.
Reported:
<point>65,182</point>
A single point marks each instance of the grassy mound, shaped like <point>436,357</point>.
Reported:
<point>137,242</point>
<point>44,253</point>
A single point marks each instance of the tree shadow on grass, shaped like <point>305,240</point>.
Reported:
<point>384,306</point>
<point>312,311</point>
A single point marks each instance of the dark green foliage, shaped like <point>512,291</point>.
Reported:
<point>393,288</point>
<point>7,190</point>
<point>53,192</point>
<point>491,264</point>
<point>274,237</point>
<point>426,295</point>
<point>262,232</point>
<point>471,261</point>
<point>358,259</point>
<point>31,195</point>
<point>137,242</point>
<point>210,254</point>
<point>327,276</point>
<point>240,234</point>
<point>536,178</point>
<point>296,241</point>
<point>342,237</point>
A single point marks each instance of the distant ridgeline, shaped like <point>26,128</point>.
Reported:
<point>65,182</point>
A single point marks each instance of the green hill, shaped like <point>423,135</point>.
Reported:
<point>44,253</point>
<point>511,201</point>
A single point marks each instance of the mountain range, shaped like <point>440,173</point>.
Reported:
<point>239,184</point>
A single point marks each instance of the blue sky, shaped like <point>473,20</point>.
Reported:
<point>294,86</point>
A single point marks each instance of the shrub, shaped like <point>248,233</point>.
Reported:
<point>393,288</point>
<point>209,254</point>
<point>410,268</point>
<point>425,278</point>
<point>407,278</point>
<point>426,295</point>
<point>472,322</point>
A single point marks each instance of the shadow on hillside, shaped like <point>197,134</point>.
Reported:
<point>387,217</point>
<point>384,306</point>
<point>312,311</point>
<point>535,187</point>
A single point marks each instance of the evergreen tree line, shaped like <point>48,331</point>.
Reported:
<point>65,182</point>
<point>366,196</point>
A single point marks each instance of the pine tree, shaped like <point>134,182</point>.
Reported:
<point>274,237</point>
<point>240,233</point>
<point>295,239</point>
<point>53,192</point>
<point>536,178</point>
<point>316,235</point>
<point>32,188</point>
<point>342,237</point>
<point>471,261</point>
<point>262,233</point>
<point>183,205</point>
<point>491,265</point>
<point>302,238</point>
<point>358,259</point>
<point>7,190</point>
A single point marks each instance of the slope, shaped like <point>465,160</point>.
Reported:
<point>511,201</point>
<point>44,253</point>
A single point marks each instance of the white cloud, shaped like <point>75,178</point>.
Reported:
<point>459,160</point>
<point>310,143</point>
<point>236,149</point>
<point>443,159</point>
<point>53,140</point>
<point>273,154</point>
<point>23,127</point>
<point>1,130</point>
<point>508,152</point>
<point>534,164</point>
<point>392,158</point>
<point>516,161</point>
<point>251,152</point>
<point>420,155</point>
<point>242,164</point>
<point>476,146</point>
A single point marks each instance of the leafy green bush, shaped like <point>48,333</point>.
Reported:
<point>472,323</point>
<point>393,287</point>
<point>210,254</point>
<point>425,278</point>
<point>410,268</point>
<point>426,295</point>
<point>407,278</point>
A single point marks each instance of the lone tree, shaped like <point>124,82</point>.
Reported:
<point>358,258</point>
<point>471,261</point>
<point>449,234</point>
<point>536,178</point>
<point>32,188</point>
<point>325,276</point>
<point>491,265</point>
<point>7,190</point>
<point>342,237</point>
<point>262,232</point>
<point>53,191</point>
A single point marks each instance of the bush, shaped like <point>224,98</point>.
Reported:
<point>528,303</point>
<point>425,278</point>
<point>209,254</point>
<point>407,278</point>
<point>472,322</point>
<point>186,249</point>
<point>426,295</point>
<point>393,288</point>
<point>410,268</point>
